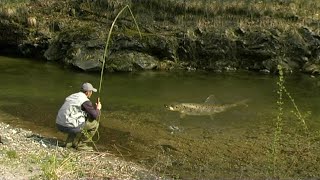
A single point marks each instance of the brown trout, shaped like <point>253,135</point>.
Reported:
<point>202,109</point>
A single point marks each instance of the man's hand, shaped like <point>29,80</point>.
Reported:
<point>98,105</point>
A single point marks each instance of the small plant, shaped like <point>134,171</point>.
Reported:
<point>12,154</point>
<point>282,91</point>
<point>55,168</point>
<point>279,120</point>
<point>49,168</point>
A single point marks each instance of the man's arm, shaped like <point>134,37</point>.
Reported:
<point>93,112</point>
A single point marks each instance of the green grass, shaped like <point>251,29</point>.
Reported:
<point>12,154</point>
<point>56,168</point>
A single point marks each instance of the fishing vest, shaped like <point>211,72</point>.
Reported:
<point>70,114</point>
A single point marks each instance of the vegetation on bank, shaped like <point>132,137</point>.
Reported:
<point>218,15</point>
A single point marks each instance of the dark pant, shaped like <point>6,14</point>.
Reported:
<point>69,130</point>
<point>88,126</point>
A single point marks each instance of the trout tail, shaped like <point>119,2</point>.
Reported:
<point>243,103</point>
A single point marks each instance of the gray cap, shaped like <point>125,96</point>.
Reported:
<point>88,87</point>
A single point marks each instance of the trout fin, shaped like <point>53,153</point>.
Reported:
<point>211,100</point>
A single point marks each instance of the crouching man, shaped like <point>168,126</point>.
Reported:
<point>77,117</point>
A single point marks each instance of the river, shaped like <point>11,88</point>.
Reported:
<point>136,125</point>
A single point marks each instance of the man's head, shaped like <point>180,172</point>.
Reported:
<point>87,88</point>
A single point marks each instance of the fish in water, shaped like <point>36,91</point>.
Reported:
<point>202,109</point>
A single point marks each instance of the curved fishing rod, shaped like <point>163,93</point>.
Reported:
<point>105,57</point>
<point>107,43</point>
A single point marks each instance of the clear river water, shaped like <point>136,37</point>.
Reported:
<point>136,125</point>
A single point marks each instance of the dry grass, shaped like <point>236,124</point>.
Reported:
<point>213,14</point>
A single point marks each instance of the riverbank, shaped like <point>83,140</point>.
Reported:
<point>172,35</point>
<point>27,155</point>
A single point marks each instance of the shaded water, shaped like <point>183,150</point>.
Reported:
<point>136,125</point>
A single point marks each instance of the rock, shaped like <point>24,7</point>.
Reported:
<point>311,68</point>
<point>265,71</point>
<point>32,21</point>
<point>86,59</point>
<point>8,12</point>
<point>240,31</point>
<point>131,61</point>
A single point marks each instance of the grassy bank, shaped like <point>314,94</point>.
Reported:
<point>218,14</point>
<point>212,14</point>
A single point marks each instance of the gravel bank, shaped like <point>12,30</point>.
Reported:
<point>26,155</point>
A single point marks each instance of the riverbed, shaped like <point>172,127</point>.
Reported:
<point>135,124</point>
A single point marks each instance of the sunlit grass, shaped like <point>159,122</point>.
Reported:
<point>217,15</point>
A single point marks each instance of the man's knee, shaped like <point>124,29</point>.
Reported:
<point>91,125</point>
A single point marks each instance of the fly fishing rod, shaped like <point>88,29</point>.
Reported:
<point>104,61</point>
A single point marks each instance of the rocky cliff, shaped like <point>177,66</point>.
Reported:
<point>207,35</point>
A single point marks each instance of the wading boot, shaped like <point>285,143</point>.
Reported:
<point>82,146</point>
<point>69,143</point>
<point>79,143</point>
<point>87,137</point>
